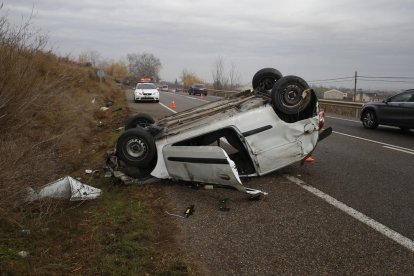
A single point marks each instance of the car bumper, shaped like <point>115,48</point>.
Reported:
<point>146,98</point>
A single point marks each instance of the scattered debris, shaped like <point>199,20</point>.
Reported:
<point>93,101</point>
<point>25,231</point>
<point>64,188</point>
<point>208,187</point>
<point>223,205</point>
<point>93,172</point>
<point>173,214</point>
<point>189,211</point>
<point>23,254</point>
<point>104,108</point>
<point>309,159</point>
<point>109,103</point>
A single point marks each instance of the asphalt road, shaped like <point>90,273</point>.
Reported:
<point>294,230</point>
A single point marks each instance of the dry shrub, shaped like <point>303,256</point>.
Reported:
<point>46,116</point>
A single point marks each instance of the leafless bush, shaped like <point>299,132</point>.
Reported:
<point>46,116</point>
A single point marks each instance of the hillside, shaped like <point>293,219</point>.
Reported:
<point>52,125</point>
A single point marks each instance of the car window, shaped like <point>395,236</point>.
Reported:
<point>403,97</point>
<point>198,86</point>
<point>145,86</point>
<point>411,100</point>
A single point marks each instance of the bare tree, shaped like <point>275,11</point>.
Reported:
<point>188,78</point>
<point>219,77</point>
<point>144,65</point>
<point>92,57</point>
<point>234,77</point>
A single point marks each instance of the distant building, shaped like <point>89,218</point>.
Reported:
<point>334,94</point>
<point>370,96</point>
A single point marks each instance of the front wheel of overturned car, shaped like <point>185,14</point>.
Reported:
<point>291,95</point>
<point>369,120</point>
<point>139,120</point>
<point>136,147</point>
<point>265,78</point>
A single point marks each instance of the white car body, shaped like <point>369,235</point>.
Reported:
<point>270,142</point>
<point>146,92</point>
<point>251,134</point>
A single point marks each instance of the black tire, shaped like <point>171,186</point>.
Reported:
<point>136,147</point>
<point>265,78</point>
<point>139,120</point>
<point>291,95</point>
<point>369,119</point>
<point>137,172</point>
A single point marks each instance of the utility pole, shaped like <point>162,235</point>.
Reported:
<point>355,86</point>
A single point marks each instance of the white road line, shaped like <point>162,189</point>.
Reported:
<point>194,98</point>
<point>406,151</point>
<point>372,141</point>
<point>172,110</point>
<point>337,118</point>
<point>389,233</point>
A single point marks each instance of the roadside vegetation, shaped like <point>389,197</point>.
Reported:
<point>52,125</point>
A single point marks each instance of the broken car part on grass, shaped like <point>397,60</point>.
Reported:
<point>251,134</point>
<point>64,188</point>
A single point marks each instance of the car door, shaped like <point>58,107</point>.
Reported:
<point>208,164</point>
<point>398,110</point>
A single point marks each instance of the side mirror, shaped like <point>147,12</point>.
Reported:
<point>386,100</point>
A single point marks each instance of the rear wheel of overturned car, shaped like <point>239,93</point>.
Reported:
<point>291,95</point>
<point>139,120</point>
<point>265,78</point>
<point>369,119</point>
<point>136,147</point>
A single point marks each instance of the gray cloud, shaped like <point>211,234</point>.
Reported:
<point>312,38</point>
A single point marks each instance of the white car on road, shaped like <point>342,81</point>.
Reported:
<point>146,91</point>
<point>251,134</point>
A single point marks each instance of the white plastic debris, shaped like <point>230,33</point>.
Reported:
<point>64,188</point>
<point>104,108</point>
<point>23,254</point>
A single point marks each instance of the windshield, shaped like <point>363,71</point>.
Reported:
<point>145,86</point>
<point>198,86</point>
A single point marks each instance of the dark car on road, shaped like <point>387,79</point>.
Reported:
<point>197,89</point>
<point>397,111</point>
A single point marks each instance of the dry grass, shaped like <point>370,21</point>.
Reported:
<point>46,116</point>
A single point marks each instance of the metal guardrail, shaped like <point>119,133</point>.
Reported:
<point>348,109</point>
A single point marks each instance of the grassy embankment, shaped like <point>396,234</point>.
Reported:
<point>51,126</point>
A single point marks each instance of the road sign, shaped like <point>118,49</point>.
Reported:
<point>101,74</point>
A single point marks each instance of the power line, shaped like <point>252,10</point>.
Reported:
<point>389,80</point>
<point>372,77</point>
<point>342,78</point>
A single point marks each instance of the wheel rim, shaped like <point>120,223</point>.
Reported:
<point>369,119</point>
<point>136,148</point>
<point>292,95</point>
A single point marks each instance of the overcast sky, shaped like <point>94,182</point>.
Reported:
<point>314,39</point>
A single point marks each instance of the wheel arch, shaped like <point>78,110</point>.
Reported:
<point>368,108</point>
